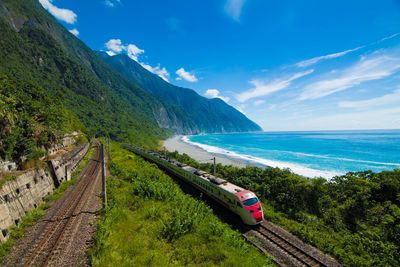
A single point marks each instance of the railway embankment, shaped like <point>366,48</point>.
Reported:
<point>23,192</point>
<point>150,220</point>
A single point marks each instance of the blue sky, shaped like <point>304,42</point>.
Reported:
<point>288,65</point>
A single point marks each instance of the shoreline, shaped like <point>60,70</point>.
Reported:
<point>203,156</point>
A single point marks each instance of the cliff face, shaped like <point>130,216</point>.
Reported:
<point>209,115</point>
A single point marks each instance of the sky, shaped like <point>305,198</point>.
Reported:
<point>288,65</point>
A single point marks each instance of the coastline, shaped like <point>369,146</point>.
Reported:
<point>201,155</point>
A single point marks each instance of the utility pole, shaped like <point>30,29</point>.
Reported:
<point>109,155</point>
<point>215,171</point>
<point>103,174</point>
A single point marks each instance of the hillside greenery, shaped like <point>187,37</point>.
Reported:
<point>75,66</point>
<point>46,93</point>
<point>353,217</point>
<point>30,120</point>
<point>149,221</point>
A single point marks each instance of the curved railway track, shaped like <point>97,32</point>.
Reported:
<point>45,249</point>
<point>267,237</point>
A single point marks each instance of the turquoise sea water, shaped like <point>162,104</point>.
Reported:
<point>316,153</point>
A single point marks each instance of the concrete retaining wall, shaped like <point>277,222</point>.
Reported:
<point>67,141</point>
<point>67,163</point>
<point>27,191</point>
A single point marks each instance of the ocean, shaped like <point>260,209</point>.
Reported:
<point>311,153</point>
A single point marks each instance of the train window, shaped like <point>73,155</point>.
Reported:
<point>250,202</point>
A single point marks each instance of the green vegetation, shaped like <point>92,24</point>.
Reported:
<point>30,120</point>
<point>34,55</point>
<point>354,217</point>
<point>18,231</point>
<point>150,221</point>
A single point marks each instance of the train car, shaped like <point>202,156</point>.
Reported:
<point>239,200</point>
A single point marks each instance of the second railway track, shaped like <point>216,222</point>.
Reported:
<point>42,253</point>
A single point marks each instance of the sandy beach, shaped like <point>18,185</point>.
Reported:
<point>199,154</point>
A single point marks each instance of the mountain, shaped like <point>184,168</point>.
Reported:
<point>209,115</point>
<point>36,48</point>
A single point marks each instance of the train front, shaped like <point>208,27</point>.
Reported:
<point>252,205</point>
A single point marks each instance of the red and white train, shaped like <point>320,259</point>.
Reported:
<point>239,200</point>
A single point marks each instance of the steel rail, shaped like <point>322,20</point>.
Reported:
<point>290,248</point>
<point>57,227</point>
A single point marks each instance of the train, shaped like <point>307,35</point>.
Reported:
<point>238,200</point>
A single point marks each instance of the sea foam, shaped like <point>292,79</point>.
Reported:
<point>296,168</point>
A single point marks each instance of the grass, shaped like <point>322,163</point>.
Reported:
<point>32,216</point>
<point>149,221</point>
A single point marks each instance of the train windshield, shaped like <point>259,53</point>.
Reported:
<point>250,202</point>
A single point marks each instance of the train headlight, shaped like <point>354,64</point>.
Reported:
<point>259,208</point>
<point>251,211</point>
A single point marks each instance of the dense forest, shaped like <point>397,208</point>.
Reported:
<point>354,217</point>
<point>33,55</point>
<point>31,120</point>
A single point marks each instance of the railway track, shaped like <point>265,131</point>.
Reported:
<point>45,249</point>
<point>304,258</point>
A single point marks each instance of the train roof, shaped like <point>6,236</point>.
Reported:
<point>232,188</point>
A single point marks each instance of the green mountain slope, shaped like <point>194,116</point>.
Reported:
<point>210,115</point>
<point>30,119</point>
<point>97,80</point>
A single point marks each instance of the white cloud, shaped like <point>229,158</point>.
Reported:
<point>308,62</point>
<point>372,67</point>
<point>74,32</point>
<point>234,8</point>
<point>162,72</point>
<point>62,14</point>
<point>115,46</point>
<point>241,108</point>
<point>186,75</point>
<point>262,89</point>
<point>378,101</point>
<point>214,93</point>
<point>111,53</point>
<point>259,102</point>
<point>111,3</point>
<point>389,37</point>
<point>133,51</point>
